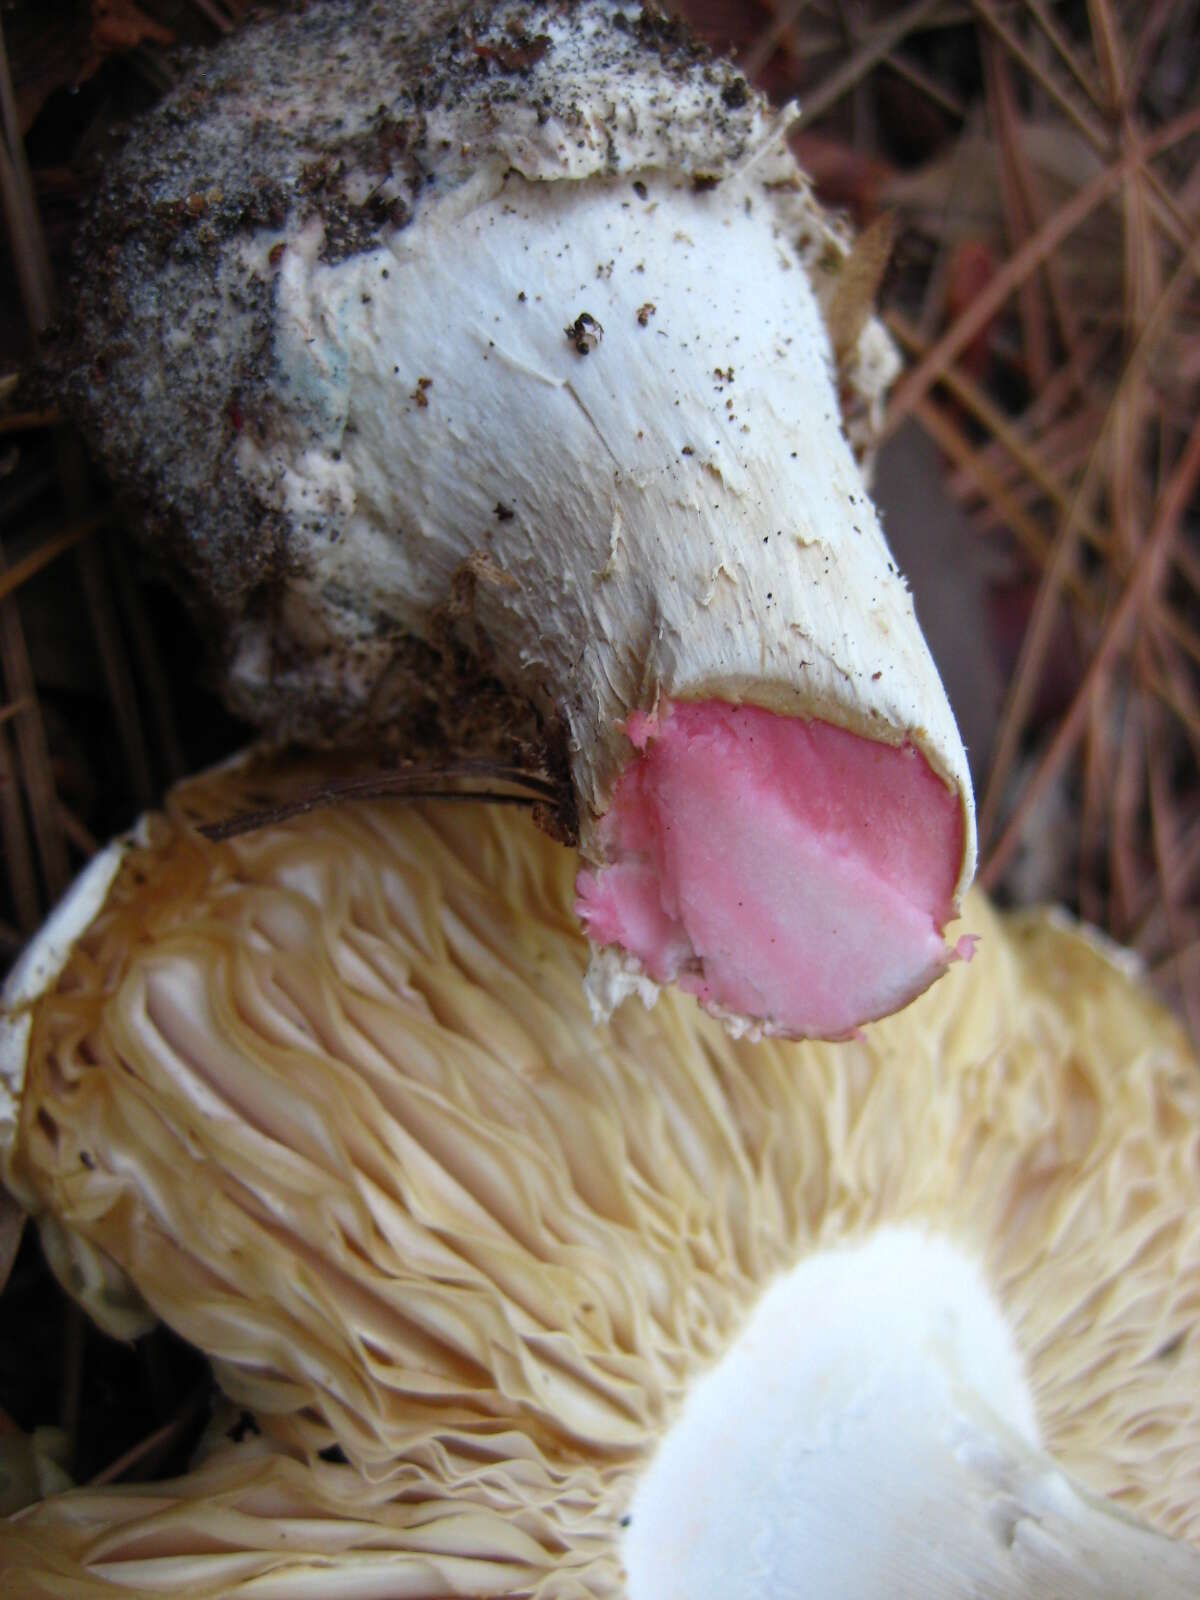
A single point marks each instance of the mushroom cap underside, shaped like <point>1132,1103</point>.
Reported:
<point>329,1097</point>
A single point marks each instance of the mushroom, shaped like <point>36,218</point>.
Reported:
<point>635,1309</point>
<point>473,370</point>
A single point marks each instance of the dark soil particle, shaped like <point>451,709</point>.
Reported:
<point>585,333</point>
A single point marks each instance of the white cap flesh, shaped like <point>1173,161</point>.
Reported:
<point>35,972</point>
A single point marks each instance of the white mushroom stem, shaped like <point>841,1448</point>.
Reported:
<point>675,514</point>
<point>576,399</point>
<point>674,517</point>
<point>872,1432</point>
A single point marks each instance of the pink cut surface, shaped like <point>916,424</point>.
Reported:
<point>784,870</point>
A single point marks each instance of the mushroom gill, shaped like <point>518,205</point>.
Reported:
<point>329,1098</point>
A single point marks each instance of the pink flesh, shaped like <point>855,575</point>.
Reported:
<point>784,870</point>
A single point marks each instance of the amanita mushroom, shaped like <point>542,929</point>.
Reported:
<point>636,1309</point>
<point>444,348</point>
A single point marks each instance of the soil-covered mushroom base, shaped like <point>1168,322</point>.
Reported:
<point>561,414</point>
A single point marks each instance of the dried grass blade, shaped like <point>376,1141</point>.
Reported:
<point>1125,880</point>
<point>383,789</point>
<point>1168,676</point>
<point>153,679</point>
<point>880,43</point>
<point>1164,839</point>
<point>1188,562</point>
<point>772,36</point>
<point>18,854</point>
<point>28,421</point>
<point>1181,970</point>
<point>1033,538</point>
<point>1096,784</point>
<point>1018,208</point>
<point>1130,490</point>
<point>78,833</point>
<point>1146,573</point>
<point>976,464</point>
<point>1180,632</point>
<point>47,551</point>
<point>929,86</point>
<point>1110,53</point>
<point>1094,132</point>
<point>214,14</point>
<point>1062,45</point>
<point>1035,206</point>
<point>24,228</point>
<point>147,1450</point>
<point>1173,693</point>
<point>1005,433</point>
<point>33,751</point>
<point>1151,916</point>
<point>1060,569</point>
<point>1051,416</point>
<point>1127,489</point>
<point>1049,237</point>
<point>1155,18</point>
<point>117,675</point>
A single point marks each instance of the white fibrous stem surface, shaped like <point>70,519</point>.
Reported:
<point>872,1432</point>
<point>669,512</point>
<point>520,417</point>
<point>675,513</point>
